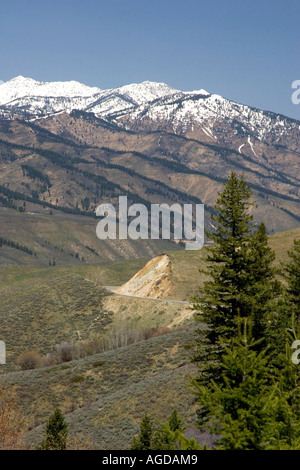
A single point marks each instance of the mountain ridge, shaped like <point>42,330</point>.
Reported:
<point>152,106</point>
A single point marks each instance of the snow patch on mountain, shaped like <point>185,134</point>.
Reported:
<point>251,145</point>
<point>240,147</point>
<point>145,92</point>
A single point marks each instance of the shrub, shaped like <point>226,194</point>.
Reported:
<point>98,363</point>
<point>77,378</point>
<point>65,352</point>
<point>30,360</point>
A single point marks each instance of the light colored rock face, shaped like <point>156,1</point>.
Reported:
<point>153,280</point>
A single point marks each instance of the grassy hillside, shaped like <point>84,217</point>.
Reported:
<point>45,306</point>
<point>41,239</point>
<point>13,278</point>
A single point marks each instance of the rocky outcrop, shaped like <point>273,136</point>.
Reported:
<point>153,280</point>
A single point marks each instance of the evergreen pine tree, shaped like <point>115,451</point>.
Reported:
<point>241,284</point>
<point>144,440</point>
<point>163,436</point>
<point>252,408</point>
<point>241,277</point>
<point>56,432</point>
<point>220,301</point>
<point>285,324</point>
<point>293,280</point>
<point>262,292</point>
<point>175,421</point>
<point>235,408</point>
<point>166,438</point>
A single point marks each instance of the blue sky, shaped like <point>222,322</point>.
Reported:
<point>246,51</point>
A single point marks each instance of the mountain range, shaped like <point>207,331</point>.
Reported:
<point>150,105</point>
<point>66,147</point>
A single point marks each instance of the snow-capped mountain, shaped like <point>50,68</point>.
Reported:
<point>150,106</point>
<point>34,98</point>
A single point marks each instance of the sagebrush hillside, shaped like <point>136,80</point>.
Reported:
<point>148,345</point>
<point>105,396</point>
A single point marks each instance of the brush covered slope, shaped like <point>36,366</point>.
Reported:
<point>148,344</point>
<point>64,317</point>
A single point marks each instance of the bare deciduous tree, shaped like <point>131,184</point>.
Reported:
<point>12,422</point>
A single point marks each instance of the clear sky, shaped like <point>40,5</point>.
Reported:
<point>247,51</point>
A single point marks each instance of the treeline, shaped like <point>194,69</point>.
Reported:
<point>44,135</point>
<point>91,117</point>
<point>67,162</point>
<point>12,195</point>
<point>225,152</point>
<point>181,168</point>
<point>34,174</point>
<point>17,246</point>
<point>7,203</point>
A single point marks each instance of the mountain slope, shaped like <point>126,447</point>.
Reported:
<point>75,161</point>
<point>105,396</point>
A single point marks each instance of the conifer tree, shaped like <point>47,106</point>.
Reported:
<point>175,421</point>
<point>56,432</point>
<point>293,280</point>
<point>236,408</point>
<point>285,324</point>
<point>252,408</point>
<point>144,440</point>
<point>262,293</point>
<point>241,284</point>
<point>283,427</point>
<point>240,274</point>
<point>248,387</point>
<point>163,436</point>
